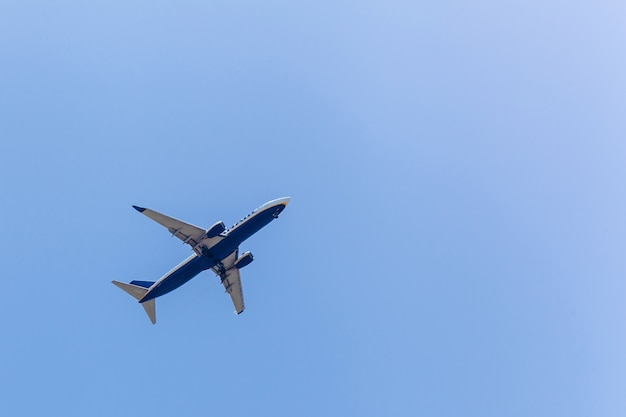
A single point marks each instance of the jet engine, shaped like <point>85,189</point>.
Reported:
<point>244,260</point>
<point>215,230</point>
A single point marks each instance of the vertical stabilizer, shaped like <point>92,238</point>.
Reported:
<point>138,293</point>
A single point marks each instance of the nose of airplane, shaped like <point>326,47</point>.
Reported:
<point>280,204</point>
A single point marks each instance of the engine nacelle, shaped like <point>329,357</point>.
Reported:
<point>215,230</point>
<point>244,260</point>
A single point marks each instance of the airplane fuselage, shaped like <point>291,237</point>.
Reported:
<point>212,256</point>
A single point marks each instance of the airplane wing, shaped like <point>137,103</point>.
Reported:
<point>188,233</point>
<point>231,280</point>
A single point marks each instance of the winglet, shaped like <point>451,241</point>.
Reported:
<point>139,209</point>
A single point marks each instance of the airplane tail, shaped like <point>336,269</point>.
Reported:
<point>138,289</point>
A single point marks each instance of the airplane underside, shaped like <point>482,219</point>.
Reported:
<point>215,248</point>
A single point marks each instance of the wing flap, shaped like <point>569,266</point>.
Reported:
<point>186,232</point>
<point>232,284</point>
<point>231,280</point>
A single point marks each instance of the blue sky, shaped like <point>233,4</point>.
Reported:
<point>454,244</point>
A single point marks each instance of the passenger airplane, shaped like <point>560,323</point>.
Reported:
<point>216,248</point>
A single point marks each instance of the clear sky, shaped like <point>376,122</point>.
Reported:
<point>455,241</point>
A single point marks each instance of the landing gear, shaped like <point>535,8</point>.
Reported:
<point>221,270</point>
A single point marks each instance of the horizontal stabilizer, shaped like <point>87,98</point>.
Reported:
<point>135,290</point>
<point>138,292</point>
<point>145,284</point>
<point>150,308</point>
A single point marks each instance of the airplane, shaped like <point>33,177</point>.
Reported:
<point>215,248</point>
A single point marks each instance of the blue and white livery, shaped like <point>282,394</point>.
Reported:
<point>216,248</point>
